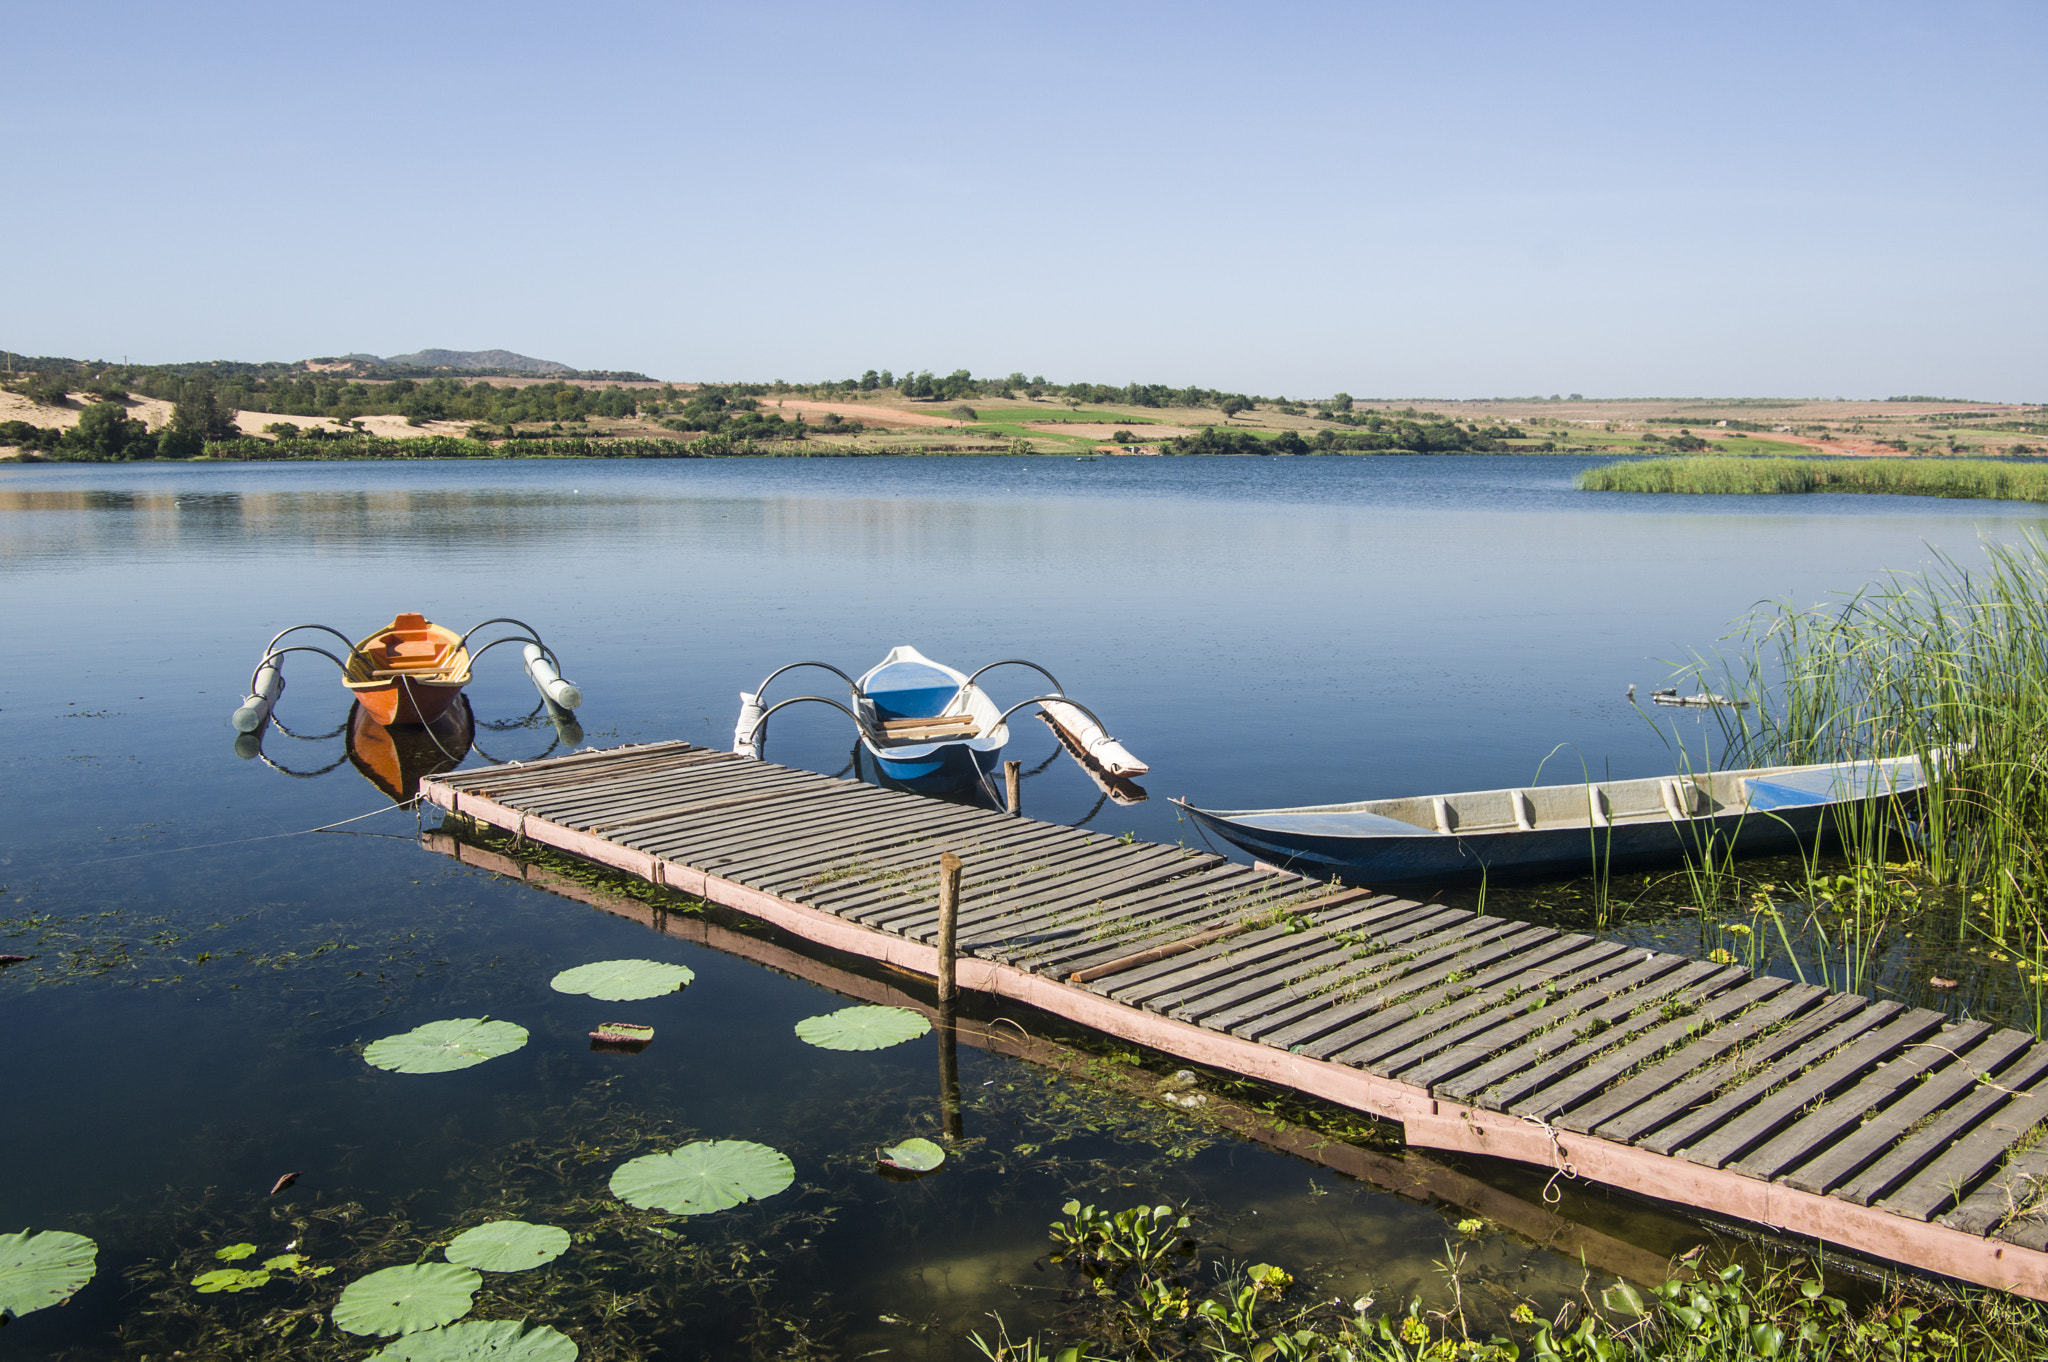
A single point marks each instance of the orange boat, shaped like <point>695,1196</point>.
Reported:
<point>408,672</point>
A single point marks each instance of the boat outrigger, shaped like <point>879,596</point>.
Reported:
<point>408,672</point>
<point>931,729</point>
<point>1565,829</point>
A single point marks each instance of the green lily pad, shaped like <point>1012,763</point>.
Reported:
<point>481,1340</point>
<point>862,1028</point>
<point>234,1253</point>
<point>441,1046</point>
<point>508,1246</point>
<point>43,1269</point>
<point>914,1156</point>
<point>623,981</point>
<point>707,1175</point>
<point>230,1279</point>
<point>405,1300</point>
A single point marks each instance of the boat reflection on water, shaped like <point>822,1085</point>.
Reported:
<point>397,757</point>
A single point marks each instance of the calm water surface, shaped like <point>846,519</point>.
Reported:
<point>1262,632</point>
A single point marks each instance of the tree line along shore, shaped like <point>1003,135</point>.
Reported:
<point>65,410</point>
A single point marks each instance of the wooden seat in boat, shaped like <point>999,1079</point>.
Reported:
<point>944,726</point>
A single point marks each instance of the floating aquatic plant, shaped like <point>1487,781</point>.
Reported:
<point>623,981</point>
<point>508,1246</point>
<point>405,1300</point>
<point>913,1156</point>
<point>481,1340</point>
<point>621,1037</point>
<point>39,1269</point>
<point>707,1175</point>
<point>440,1046</point>
<point>862,1028</point>
<point>230,1279</point>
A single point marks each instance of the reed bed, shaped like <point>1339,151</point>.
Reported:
<point>1950,665</point>
<point>1724,475</point>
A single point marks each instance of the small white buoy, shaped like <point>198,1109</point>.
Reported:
<point>548,681</point>
<point>255,710</point>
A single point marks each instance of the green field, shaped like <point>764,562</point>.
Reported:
<point>1719,475</point>
<point>1090,415</point>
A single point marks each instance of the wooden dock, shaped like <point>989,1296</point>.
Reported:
<point>1889,1131</point>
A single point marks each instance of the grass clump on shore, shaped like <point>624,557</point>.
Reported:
<point>1722,476</point>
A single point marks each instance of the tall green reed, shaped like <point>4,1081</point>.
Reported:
<point>1949,665</point>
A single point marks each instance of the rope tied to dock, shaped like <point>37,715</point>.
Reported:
<point>1563,1167</point>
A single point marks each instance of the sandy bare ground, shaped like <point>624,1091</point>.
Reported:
<point>873,415</point>
<point>15,407</point>
<point>389,427</point>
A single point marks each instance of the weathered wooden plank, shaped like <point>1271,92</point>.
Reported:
<point>1540,1090</point>
<point>1060,878</point>
<point>1673,1084</point>
<point>1764,1115</point>
<point>1493,1000</point>
<point>1557,1026</point>
<point>1189,995</point>
<point>734,834</point>
<point>1685,1011</point>
<point>1161,913</point>
<point>642,821</point>
<point>1552,985</point>
<point>1368,1014</point>
<point>1731,1085</point>
<point>1463,997</point>
<point>2015,1190</point>
<point>1966,1142</point>
<point>829,838</point>
<point>560,803</point>
<point>1162,986</point>
<point>1825,1125</point>
<point>1382,957</point>
<point>511,778</point>
<point>1949,1080</point>
<point>1098,901</point>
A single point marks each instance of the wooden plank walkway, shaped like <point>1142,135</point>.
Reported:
<point>1886,1130</point>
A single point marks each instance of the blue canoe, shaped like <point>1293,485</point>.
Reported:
<point>1563,830</point>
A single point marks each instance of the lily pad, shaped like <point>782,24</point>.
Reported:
<point>914,1156</point>
<point>508,1246</point>
<point>43,1269</point>
<point>623,981</point>
<point>441,1046</point>
<point>405,1300</point>
<point>230,1279</point>
<point>481,1340</point>
<point>234,1253</point>
<point>707,1175</point>
<point>862,1028</point>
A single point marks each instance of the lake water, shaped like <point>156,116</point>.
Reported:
<point>1261,631</point>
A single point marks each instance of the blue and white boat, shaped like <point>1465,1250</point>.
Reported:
<point>1563,830</point>
<point>928,727</point>
<point>931,729</point>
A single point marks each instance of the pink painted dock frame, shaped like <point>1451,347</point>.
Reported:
<point>1889,1132</point>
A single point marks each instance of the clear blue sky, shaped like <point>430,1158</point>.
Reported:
<point>1440,199</point>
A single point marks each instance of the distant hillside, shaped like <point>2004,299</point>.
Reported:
<point>502,360</point>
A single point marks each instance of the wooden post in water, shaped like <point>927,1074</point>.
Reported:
<point>1013,776</point>
<point>951,1119</point>
<point>949,923</point>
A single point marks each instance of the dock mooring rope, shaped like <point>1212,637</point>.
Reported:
<point>412,803</point>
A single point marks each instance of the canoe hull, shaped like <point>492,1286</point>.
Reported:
<point>946,768</point>
<point>1554,853</point>
<point>1568,830</point>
